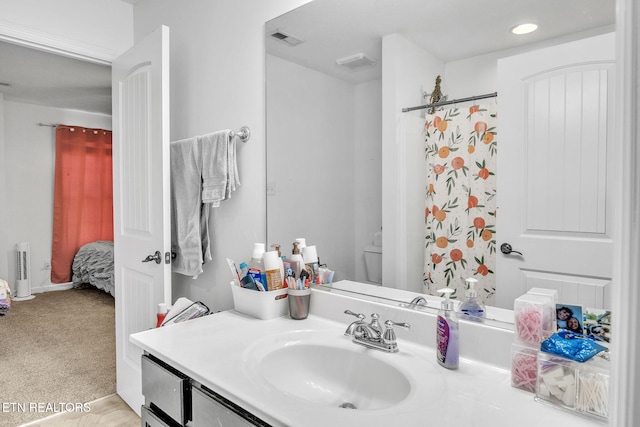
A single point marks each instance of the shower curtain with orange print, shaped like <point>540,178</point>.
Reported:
<point>83,195</point>
<point>460,213</point>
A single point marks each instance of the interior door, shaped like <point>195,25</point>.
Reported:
<point>142,213</point>
<point>555,112</point>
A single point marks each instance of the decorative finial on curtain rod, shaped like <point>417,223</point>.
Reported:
<point>435,95</point>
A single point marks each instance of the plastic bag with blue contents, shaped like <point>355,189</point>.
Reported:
<point>571,346</point>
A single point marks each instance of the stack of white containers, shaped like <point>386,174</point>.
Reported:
<point>535,321</point>
<point>578,387</point>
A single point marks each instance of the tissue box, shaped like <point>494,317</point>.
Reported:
<point>261,305</point>
<point>580,387</point>
<point>534,318</point>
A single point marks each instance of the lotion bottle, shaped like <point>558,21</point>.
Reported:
<point>447,345</point>
<point>272,266</point>
<point>256,265</point>
<point>472,308</point>
<point>276,248</point>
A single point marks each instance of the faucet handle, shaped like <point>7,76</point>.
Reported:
<point>389,336</point>
<point>375,325</point>
<point>360,316</point>
<point>390,324</point>
<point>351,329</point>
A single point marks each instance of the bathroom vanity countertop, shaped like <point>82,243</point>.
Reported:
<point>218,351</point>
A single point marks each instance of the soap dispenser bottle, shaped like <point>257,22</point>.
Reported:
<point>447,346</point>
<point>472,308</point>
<point>296,256</point>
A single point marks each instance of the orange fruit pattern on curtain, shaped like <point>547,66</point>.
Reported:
<point>83,195</point>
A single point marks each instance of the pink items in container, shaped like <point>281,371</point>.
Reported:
<point>534,318</point>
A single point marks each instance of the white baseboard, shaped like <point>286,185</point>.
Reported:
<point>48,287</point>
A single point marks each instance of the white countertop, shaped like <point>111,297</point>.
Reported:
<point>219,352</point>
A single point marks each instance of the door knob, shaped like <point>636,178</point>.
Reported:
<point>506,249</point>
<point>157,257</point>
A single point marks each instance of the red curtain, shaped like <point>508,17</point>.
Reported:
<point>83,195</point>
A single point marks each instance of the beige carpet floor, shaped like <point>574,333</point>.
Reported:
<point>56,351</point>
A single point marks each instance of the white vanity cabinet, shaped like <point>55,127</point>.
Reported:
<point>167,394</point>
<point>209,408</point>
<point>173,399</point>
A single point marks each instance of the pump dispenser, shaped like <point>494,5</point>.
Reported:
<point>447,345</point>
<point>472,308</point>
<point>297,257</point>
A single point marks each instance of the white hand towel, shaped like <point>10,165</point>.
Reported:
<point>219,166</point>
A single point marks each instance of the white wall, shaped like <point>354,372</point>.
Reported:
<point>310,119</point>
<point>328,132</point>
<point>101,29</point>
<point>4,262</point>
<point>217,82</point>
<point>367,198</point>
<point>27,208</point>
<point>405,69</point>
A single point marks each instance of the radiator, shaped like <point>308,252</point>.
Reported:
<point>23,276</point>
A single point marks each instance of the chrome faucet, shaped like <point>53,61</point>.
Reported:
<point>418,301</point>
<point>371,334</point>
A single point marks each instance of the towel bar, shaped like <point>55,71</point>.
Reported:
<point>244,133</point>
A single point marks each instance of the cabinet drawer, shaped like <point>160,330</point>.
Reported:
<point>209,408</point>
<point>151,419</point>
<point>165,389</point>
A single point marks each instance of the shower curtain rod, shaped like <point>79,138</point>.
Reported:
<point>453,101</point>
<point>57,125</point>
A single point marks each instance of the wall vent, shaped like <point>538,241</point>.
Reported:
<point>286,38</point>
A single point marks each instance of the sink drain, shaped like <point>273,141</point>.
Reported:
<point>348,405</point>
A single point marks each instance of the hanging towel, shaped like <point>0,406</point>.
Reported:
<point>219,167</point>
<point>189,217</point>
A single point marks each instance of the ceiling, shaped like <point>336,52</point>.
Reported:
<point>450,30</point>
<point>43,78</point>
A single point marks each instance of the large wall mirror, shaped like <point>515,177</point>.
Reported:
<point>338,74</point>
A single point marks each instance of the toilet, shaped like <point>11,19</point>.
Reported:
<point>373,263</point>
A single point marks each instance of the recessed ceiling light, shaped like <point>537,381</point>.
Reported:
<point>524,28</point>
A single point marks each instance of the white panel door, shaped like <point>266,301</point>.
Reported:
<point>142,213</point>
<point>555,113</point>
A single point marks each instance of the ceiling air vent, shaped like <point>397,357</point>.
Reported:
<point>356,61</point>
<point>285,38</point>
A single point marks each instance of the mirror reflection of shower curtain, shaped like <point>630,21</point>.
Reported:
<point>460,203</point>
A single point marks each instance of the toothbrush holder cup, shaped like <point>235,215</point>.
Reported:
<point>299,303</point>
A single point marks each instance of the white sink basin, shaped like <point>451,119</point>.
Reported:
<point>335,376</point>
<point>324,369</point>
